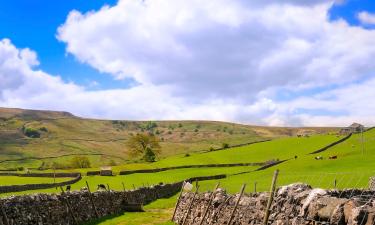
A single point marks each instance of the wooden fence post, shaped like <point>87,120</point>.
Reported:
<point>209,203</point>
<point>237,202</point>
<point>71,212</point>
<point>255,187</point>
<point>335,183</point>
<point>272,192</point>
<point>108,187</point>
<point>190,205</point>
<point>133,187</point>
<point>123,186</point>
<point>178,201</point>
<point>92,200</point>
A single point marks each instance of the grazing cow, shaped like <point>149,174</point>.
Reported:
<point>68,188</point>
<point>318,157</point>
<point>101,187</point>
<point>84,189</point>
<point>333,157</point>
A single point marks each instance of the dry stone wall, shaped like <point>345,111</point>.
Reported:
<point>77,207</point>
<point>27,187</point>
<point>295,204</point>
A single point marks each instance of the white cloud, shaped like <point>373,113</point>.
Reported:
<point>366,18</point>
<point>217,60</point>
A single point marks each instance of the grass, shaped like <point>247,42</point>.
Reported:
<point>14,180</point>
<point>67,134</point>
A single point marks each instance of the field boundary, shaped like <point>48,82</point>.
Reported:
<point>233,146</point>
<point>29,187</point>
<point>331,145</point>
<point>77,207</point>
<point>128,172</point>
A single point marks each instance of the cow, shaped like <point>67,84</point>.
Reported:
<point>84,189</point>
<point>333,157</point>
<point>318,157</point>
<point>295,157</point>
<point>68,188</point>
<point>101,187</point>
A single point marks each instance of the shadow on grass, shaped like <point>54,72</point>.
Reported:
<point>103,219</point>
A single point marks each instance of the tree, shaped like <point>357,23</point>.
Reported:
<point>145,144</point>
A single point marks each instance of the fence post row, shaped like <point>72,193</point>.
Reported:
<point>191,204</point>
<point>178,201</point>
<point>92,200</point>
<point>237,202</point>
<point>70,210</point>
<point>209,203</point>
<point>272,192</point>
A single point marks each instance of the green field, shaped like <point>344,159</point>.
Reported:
<point>63,134</point>
<point>352,168</point>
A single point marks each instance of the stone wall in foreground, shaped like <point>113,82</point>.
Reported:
<point>77,207</point>
<point>295,204</point>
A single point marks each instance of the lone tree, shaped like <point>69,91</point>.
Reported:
<point>145,144</point>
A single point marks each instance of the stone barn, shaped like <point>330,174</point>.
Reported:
<point>354,128</point>
<point>106,171</point>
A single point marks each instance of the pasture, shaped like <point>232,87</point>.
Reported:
<point>352,168</point>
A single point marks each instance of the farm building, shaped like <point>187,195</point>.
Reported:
<point>106,171</point>
<point>354,128</point>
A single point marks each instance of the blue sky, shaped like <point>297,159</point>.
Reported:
<point>299,62</point>
<point>33,24</point>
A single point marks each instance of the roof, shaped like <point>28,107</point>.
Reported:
<point>355,125</point>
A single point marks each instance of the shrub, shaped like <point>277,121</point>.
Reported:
<point>112,163</point>
<point>80,162</point>
<point>187,155</point>
<point>225,145</point>
<point>169,132</point>
<point>44,129</point>
<point>31,132</point>
<point>180,125</point>
<point>211,149</point>
<point>196,130</point>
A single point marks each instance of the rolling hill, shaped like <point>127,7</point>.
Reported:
<point>34,138</point>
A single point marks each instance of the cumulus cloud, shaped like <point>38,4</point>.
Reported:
<point>218,60</point>
<point>220,48</point>
<point>366,18</point>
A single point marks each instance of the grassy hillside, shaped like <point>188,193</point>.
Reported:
<point>43,137</point>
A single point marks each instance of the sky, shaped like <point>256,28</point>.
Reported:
<point>263,62</point>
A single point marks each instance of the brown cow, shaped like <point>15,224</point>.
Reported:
<point>333,157</point>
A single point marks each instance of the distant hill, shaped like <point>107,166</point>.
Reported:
<point>34,134</point>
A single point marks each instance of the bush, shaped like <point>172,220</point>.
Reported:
<point>180,125</point>
<point>187,155</point>
<point>80,162</point>
<point>225,145</point>
<point>44,129</point>
<point>169,132</point>
<point>211,149</point>
<point>196,130</point>
<point>112,163</point>
<point>31,132</point>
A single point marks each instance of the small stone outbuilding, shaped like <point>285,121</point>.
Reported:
<point>106,171</point>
